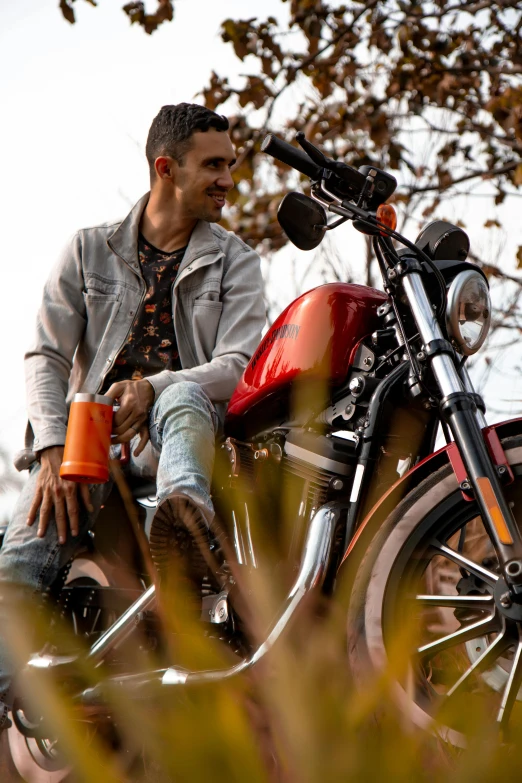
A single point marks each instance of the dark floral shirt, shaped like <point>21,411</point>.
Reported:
<point>151,345</point>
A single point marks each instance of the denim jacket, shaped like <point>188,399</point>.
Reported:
<point>89,304</point>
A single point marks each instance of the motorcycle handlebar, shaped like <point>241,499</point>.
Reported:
<point>292,156</point>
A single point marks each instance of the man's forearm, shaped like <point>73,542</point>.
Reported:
<point>218,378</point>
<point>46,405</point>
<point>48,362</point>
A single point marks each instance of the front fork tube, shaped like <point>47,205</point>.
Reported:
<point>460,412</point>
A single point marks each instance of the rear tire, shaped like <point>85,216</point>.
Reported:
<point>34,759</point>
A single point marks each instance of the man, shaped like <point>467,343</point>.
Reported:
<point>160,311</point>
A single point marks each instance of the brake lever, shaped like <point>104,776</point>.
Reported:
<point>315,154</point>
<point>350,176</point>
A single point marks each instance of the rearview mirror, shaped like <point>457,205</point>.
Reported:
<point>302,219</point>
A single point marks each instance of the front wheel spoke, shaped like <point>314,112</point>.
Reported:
<point>465,634</point>
<point>490,577</point>
<point>511,690</point>
<point>481,602</point>
<point>484,661</point>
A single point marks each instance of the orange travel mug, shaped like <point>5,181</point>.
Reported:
<point>88,440</point>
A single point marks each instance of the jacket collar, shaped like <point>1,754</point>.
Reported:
<point>202,242</point>
<point>124,241</point>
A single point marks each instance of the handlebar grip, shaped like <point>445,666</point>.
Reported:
<point>292,156</point>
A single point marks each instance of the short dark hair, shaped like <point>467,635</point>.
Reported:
<point>172,128</point>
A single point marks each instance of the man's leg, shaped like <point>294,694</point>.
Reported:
<point>32,564</point>
<point>183,428</point>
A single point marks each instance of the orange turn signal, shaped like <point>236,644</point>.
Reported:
<point>386,214</point>
<point>486,490</point>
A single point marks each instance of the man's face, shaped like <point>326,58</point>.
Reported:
<point>204,179</point>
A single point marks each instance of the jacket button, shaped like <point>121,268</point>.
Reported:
<point>189,269</point>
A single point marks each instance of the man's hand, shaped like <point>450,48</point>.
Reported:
<point>136,399</point>
<point>54,492</point>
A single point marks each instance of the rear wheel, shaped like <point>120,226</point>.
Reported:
<point>433,569</point>
<point>39,759</point>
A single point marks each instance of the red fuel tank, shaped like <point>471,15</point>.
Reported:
<point>314,338</point>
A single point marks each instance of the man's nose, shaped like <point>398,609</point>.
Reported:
<point>225,180</point>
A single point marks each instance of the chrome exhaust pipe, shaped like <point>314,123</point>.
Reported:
<point>123,627</point>
<point>316,555</point>
<point>110,640</point>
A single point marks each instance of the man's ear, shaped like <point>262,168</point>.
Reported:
<point>165,167</point>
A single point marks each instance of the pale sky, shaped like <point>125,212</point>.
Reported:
<point>76,103</point>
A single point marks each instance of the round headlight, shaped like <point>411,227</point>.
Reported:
<point>468,311</point>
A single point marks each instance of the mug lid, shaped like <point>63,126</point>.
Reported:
<point>101,399</point>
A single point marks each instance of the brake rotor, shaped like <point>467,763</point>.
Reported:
<point>496,677</point>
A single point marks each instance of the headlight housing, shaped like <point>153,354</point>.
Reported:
<point>468,311</point>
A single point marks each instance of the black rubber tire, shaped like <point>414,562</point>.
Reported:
<point>367,651</point>
<point>26,756</point>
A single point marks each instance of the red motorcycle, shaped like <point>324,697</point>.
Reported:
<point>328,448</point>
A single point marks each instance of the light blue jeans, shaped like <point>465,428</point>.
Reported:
<point>183,425</point>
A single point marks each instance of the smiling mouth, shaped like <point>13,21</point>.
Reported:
<point>218,199</point>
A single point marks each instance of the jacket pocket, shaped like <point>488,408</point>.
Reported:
<point>205,322</point>
<point>97,296</point>
<point>101,310</point>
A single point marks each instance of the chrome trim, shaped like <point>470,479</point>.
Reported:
<point>314,563</point>
<point>250,544</point>
<point>452,311</point>
<point>311,574</point>
<point>219,612</point>
<point>468,385</point>
<point>115,635</point>
<point>136,685</point>
<point>442,365</point>
<point>48,661</point>
<point>346,435</point>
<point>489,577</point>
<point>487,624</point>
<point>305,455</point>
<point>331,195</point>
<point>357,481</point>
<point>457,601</point>
<point>174,677</point>
<point>123,627</point>
<point>238,540</point>
<point>150,501</point>
<point>101,399</point>
<point>512,688</point>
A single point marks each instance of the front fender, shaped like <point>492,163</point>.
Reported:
<point>400,489</point>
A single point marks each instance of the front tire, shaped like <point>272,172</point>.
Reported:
<point>432,567</point>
